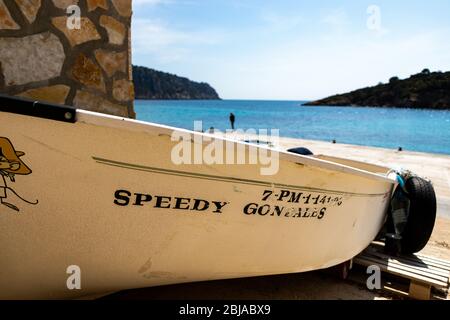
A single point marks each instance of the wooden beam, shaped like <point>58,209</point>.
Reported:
<point>419,290</point>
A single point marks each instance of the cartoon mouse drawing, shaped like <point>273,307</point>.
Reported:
<point>10,166</point>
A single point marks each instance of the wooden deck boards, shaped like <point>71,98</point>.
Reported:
<point>423,272</point>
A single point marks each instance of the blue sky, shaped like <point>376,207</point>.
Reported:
<point>291,50</point>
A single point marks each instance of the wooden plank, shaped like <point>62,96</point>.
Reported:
<point>427,260</point>
<point>392,286</point>
<point>419,290</point>
<point>426,268</point>
<point>417,273</point>
<point>392,290</point>
<point>403,273</point>
<point>414,263</point>
<point>437,260</point>
<point>412,259</point>
<point>424,273</point>
<point>418,266</point>
<point>444,264</point>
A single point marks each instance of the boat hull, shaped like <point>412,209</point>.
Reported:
<point>112,202</point>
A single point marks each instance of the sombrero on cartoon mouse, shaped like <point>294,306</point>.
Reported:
<point>7,151</point>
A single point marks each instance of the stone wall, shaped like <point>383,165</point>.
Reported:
<point>43,57</point>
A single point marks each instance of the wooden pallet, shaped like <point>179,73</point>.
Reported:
<point>423,272</point>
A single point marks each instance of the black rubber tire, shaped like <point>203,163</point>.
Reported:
<point>302,151</point>
<point>422,215</point>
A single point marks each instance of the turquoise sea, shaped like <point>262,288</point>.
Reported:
<point>414,130</point>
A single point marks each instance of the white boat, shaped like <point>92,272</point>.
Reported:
<point>98,194</point>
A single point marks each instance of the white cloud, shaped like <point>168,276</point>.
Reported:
<point>157,40</point>
<point>336,19</point>
<point>149,2</point>
<point>269,62</point>
<point>281,22</point>
<point>140,3</point>
<point>323,67</point>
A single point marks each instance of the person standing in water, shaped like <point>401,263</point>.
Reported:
<point>232,120</point>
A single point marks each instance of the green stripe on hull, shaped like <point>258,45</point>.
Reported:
<point>136,167</point>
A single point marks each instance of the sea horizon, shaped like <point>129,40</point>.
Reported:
<point>419,130</point>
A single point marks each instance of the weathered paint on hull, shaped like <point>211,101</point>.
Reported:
<point>112,202</point>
